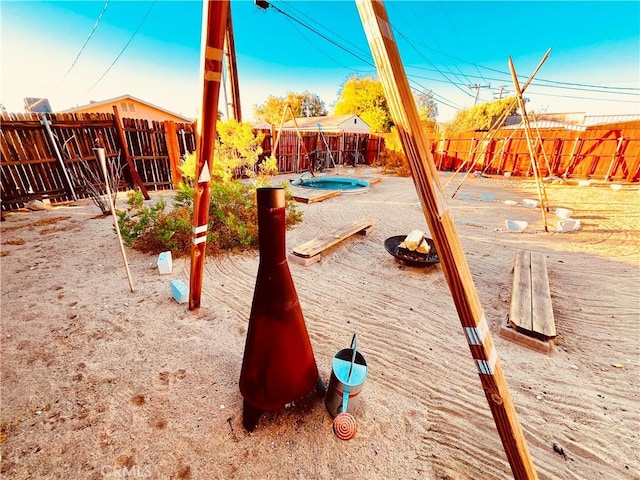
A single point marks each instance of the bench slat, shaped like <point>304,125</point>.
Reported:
<point>318,245</point>
<point>520,314</point>
<point>531,309</point>
<point>541,308</point>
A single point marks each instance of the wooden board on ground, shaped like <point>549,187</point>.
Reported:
<point>307,195</point>
<point>531,309</point>
<point>311,251</point>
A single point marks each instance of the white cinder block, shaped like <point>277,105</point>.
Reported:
<point>165,265</point>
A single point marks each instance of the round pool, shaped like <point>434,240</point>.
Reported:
<point>344,184</point>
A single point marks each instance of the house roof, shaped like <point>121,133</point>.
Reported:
<point>125,97</point>
<point>330,123</point>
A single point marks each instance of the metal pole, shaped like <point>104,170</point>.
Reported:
<point>44,121</point>
<point>101,157</point>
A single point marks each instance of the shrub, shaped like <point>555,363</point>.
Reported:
<point>392,158</point>
<point>233,220</point>
<point>233,212</point>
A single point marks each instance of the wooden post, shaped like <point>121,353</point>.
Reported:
<point>571,156</point>
<point>282,119</point>
<point>214,21</point>
<point>171,139</point>
<point>125,150</point>
<point>527,131</point>
<point>102,160</point>
<point>232,69</point>
<point>614,159</point>
<point>454,264</point>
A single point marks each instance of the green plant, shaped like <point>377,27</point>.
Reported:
<point>233,213</point>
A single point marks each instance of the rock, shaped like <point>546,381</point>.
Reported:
<point>38,205</point>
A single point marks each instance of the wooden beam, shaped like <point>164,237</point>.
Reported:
<point>232,69</point>
<point>214,22</point>
<point>454,264</point>
<point>542,195</point>
<point>127,156</point>
<point>171,139</point>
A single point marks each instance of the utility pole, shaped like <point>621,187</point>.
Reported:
<point>502,87</point>
<point>477,86</point>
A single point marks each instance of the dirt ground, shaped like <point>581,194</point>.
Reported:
<point>99,382</point>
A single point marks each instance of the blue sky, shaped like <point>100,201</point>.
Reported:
<point>446,46</point>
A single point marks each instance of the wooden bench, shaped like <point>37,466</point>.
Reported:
<point>531,311</point>
<point>311,251</point>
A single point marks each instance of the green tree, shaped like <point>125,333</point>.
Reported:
<point>303,104</point>
<point>236,147</point>
<point>480,117</point>
<point>364,96</point>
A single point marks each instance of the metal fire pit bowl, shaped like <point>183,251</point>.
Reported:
<point>409,257</point>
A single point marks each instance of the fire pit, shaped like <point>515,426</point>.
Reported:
<point>410,257</point>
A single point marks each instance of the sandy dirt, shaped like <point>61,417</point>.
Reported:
<point>99,382</point>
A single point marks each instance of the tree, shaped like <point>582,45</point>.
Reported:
<point>303,104</point>
<point>480,117</point>
<point>427,109</point>
<point>236,147</point>
<point>364,96</point>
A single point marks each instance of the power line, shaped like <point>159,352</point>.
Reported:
<point>300,22</point>
<point>106,4</point>
<point>125,47</point>
<point>458,76</point>
<point>359,57</point>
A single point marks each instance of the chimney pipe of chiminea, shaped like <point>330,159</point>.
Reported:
<point>278,365</point>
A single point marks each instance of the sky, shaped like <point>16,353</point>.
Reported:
<point>73,52</point>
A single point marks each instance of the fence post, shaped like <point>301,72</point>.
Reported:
<point>171,139</point>
<point>45,121</point>
<point>614,159</point>
<point>125,149</point>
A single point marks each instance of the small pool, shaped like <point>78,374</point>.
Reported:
<point>344,184</point>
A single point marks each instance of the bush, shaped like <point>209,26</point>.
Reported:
<point>392,158</point>
<point>233,220</point>
<point>233,212</point>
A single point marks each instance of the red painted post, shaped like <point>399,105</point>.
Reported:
<point>214,23</point>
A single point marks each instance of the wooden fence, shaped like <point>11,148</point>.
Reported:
<point>606,154</point>
<point>49,156</point>
<point>294,155</point>
<point>46,156</point>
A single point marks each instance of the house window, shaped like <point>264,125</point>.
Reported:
<point>128,106</point>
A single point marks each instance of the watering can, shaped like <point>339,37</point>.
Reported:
<point>349,371</point>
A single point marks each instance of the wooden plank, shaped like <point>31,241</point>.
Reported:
<point>305,195</point>
<point>542,320</point>
<point>531,309</point>
<point>125,150</point>
<point>322,243</point>
<point>520,313</point>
